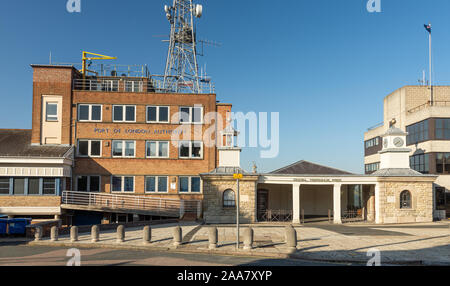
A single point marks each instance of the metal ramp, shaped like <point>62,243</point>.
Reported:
<point>127,204</point>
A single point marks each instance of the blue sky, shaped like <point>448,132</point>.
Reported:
<point>325,65</point>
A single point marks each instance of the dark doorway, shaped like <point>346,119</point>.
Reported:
<point>262,203</point>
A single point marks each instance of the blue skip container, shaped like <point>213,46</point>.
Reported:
<point>18,225</point>
<point>3,226</point>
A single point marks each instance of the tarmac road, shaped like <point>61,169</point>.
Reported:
<point>16,254</point>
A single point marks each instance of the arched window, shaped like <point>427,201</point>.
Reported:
<point>405,200</point>
<point>229,200</point>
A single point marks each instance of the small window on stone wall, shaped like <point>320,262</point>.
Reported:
<point>229,199</point>
<point>405,200</point>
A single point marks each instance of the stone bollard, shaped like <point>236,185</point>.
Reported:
<point>54,233</point>
<point>38,233</point>
<point>248,238</point>
<point>291,237</point>
<point>177,235</point>
<point>120,234</point>
<point>95,234</point>
<point>73,234</point>
<point>213,237</point>
<point>147,235</point>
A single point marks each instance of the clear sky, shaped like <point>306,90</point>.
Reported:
<point>325,65</point>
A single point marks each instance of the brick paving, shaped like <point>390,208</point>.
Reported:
<point>424,243</point>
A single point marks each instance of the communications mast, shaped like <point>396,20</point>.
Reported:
<point>181,73</point>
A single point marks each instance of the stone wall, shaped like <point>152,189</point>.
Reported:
<point>213,189</point>
<point>421,200</point>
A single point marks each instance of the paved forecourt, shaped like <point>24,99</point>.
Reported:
<point>424,243</point>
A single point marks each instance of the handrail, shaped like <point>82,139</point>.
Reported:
<point>142,203</point>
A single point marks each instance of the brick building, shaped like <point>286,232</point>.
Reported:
<point>128,136</point>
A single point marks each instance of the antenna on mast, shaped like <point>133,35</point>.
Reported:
<point>181,73</point>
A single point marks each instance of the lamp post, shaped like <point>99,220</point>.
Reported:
<point>237,177</point>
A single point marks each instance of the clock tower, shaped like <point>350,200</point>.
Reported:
<point>394,154</point>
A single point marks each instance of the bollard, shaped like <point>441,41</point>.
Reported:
<point>147,237</point>
<point>120,234</point>
<point>248,238</point>
<point>213,237</point>
<point>291,237</point>
<point>95,234</point>
<point>38,233</point>
<point>54,233</point>
<point>73,234</point>
<point>177,235</point>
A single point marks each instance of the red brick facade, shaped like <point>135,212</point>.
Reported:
<point>59,81</point>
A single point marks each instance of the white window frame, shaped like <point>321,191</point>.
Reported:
<point>190,185</point>
<point>157,114</point>
<point>156,185</point>
<point>134,87</point>
<point>191,143</point>
<point>89,149</point>
<point>124,112</point>
<point>123,149</point>
<point>89,183</point>
<point>122,187</point>
<point>53,118</point>
<point>157,150</point>
<point>90,113</point>
<point>190,115</point>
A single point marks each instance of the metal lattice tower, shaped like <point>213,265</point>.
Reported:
<point>181,74</point>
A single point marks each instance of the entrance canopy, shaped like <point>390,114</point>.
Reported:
<point>306,189</point>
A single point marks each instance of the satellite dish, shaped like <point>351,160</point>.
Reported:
<point>166,8</point>
<point>198,10</point>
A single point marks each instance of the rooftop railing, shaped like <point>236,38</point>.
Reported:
<point>126,84</point>
<point>429,104</point>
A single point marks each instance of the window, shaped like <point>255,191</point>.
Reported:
<point>158,114</point>
<point>229,200</point>
<point>370,168</point>
<point>89,148</point>
<point>443,129</point>
<point>134,86</point>
<point>420,163</point>
<point>440,198</point>
<point>157,149</point>
<point>89,112</point>
<point>443,163</point>
<point>4,186</point>
<point>19,186</point>
<point>372,142</point>
<point>110,85</point>
<point>124,113</point>
<point>405,200</point>
<point>191,114</point>
<point>123,148</point>
<point>49,186</point>
<point>51,111</point>
<point>123,184</point>
<point>33,186</point>
<point>191,149</point>
<point>190,185</point>
<point>417,132</point>
<point>154,184</point>
<point>88,183</point>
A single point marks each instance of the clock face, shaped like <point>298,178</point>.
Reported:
<point>398,142</point>
<point>385,143</point>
